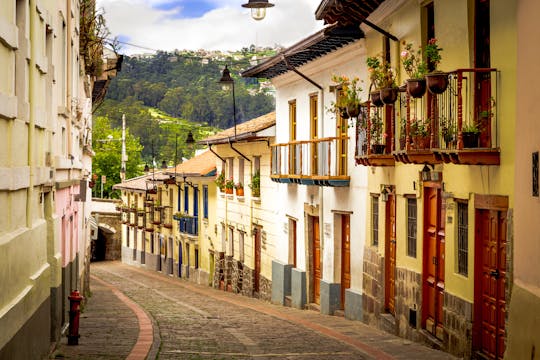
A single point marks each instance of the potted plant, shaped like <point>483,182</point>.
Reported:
<point>420,134</point>
<point>448,133</point>
<point>470,135</point>
<point>220,181</point>
<point>416,68</point>
<point>256,184</point>
<point>375,75</point>
<point>229,186</point>
<point>436,81</point>
<point>239,188</point>
<point>402,133</point>
<point>377,135</point>
<point>383,78</point>
<point>348,102</point>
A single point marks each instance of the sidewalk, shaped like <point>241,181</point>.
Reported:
<point>111,327</point>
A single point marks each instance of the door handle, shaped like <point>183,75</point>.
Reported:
<point>495,273</point>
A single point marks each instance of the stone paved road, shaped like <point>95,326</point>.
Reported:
<point>198,322</point>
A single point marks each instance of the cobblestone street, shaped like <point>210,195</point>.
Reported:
<point>197,322</point>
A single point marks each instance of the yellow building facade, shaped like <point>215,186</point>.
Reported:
<point>439,233</point>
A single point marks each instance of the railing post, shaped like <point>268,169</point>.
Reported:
<point>460,110</point>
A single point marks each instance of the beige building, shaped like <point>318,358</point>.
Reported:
<point>245,223</point>
<point>523,339</point>
<point>45,161</point>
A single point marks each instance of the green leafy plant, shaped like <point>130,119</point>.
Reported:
<point>470,127</point>
<point>433,53</point>
<point>256,184</point>
<point>413,62</point>
<point>220,180</point>
<point>229,184</point>
<point>376,129</point>
<point>381,73</point>
<point>351,90</point>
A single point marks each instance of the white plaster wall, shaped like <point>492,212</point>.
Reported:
<point>349,61</point>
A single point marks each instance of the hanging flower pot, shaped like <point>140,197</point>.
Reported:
<point>376,98</point>
<point>389,95</point>
<point>416,87</point>
<point>343,113</point>
<point>353,110</point>
<point>437,82</point>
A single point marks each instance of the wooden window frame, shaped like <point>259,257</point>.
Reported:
<point>412,227</point>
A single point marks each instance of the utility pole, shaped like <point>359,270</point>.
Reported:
<point>124,156</point>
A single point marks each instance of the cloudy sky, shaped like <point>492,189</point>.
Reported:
<point>206,24</point>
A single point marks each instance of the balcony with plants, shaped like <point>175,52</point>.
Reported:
<point>149,215</point>
<point>187,224</point>
<point>447,117</point>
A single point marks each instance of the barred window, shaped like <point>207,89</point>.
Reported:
<point>411,227</point>
<point>375,220</point>
<point>463,238</point>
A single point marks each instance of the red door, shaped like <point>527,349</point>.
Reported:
<point>257,275</point>
<point>345,256</point>
<point>316,260</point>
<point>433,262</point>
<point>490,282</point>
<point>390,255</point>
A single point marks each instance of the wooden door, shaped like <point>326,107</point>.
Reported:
<point>433,263</point>
<point>345,256</point>
<point>316,260</point>
<point>490,282</point>
<point>257,275</point>
<point>390,255</point>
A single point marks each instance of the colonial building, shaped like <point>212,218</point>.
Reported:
<point>45,163</point>
<point>437,260</point>
<point>168,219</point>
<point>322,195</point>
<point>245,214</point>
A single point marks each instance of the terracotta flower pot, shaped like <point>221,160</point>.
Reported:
<point>376,98</point>
<point>437,82</point>
<point>389,95</point>
<point>240,192</point>
<point>416,87</point>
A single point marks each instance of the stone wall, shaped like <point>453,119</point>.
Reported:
<point>373,282</point>
<point>265,289</point>
<point>408,305</point>
<point>458,325</point>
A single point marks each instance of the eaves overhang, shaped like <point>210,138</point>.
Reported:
<point>327,40</point>
<point>346,12</point>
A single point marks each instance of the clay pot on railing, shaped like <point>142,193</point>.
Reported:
<point>416,87</point>
<point>376,98</point>
<point>437,82</point>
<point>389,95</point>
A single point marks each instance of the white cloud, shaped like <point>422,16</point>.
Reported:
<point>228,27</point>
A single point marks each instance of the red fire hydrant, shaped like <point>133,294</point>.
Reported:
<point>74,313</point>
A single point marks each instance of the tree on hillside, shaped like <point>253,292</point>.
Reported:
<point>108,147</point>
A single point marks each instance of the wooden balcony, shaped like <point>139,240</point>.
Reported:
<point>436,128</point>
<point>318,162</point>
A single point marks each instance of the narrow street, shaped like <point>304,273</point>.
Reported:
<point>195,322</point>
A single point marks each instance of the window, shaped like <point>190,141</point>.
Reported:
<point>196,258</point>
<point>463,238</point>
<point>292,137</point>
<point>240,170</point>
<point>230,174</point>
<point>292,242</point>
<point>231,241</point>
<point>241,246</point>
<point>127,237</point>
<point>195,201</point>
<point>375,220</point>
<point>256,164</point>
<point>314,122</point>
<point>411,227</point>
<point>186,198</point>
<point>205,201</point>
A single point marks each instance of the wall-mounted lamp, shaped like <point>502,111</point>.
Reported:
<point>384,193</point>
<point>426,173</point>
<point>258,8</point>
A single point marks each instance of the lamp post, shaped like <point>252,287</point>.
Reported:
<point>227,82</point>
<point>258,8</point>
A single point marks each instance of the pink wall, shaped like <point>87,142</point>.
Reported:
<point>67,210</point>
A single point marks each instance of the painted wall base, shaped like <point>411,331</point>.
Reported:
<point>298,289</point>
<point>523,326</point>
<point>330,297</point>
<point>152,261</point>
<point>281,282</point>
<point>353,305</point>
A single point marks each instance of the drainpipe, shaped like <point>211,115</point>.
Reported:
<point>238,152</point>
<point>213,152</point>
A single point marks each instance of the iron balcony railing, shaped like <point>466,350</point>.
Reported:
<point>311,162</point>
<point>189,225</point>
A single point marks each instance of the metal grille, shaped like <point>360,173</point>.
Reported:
<point>411,227</point>
<point>463,238</point>
<point>375,220</point>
